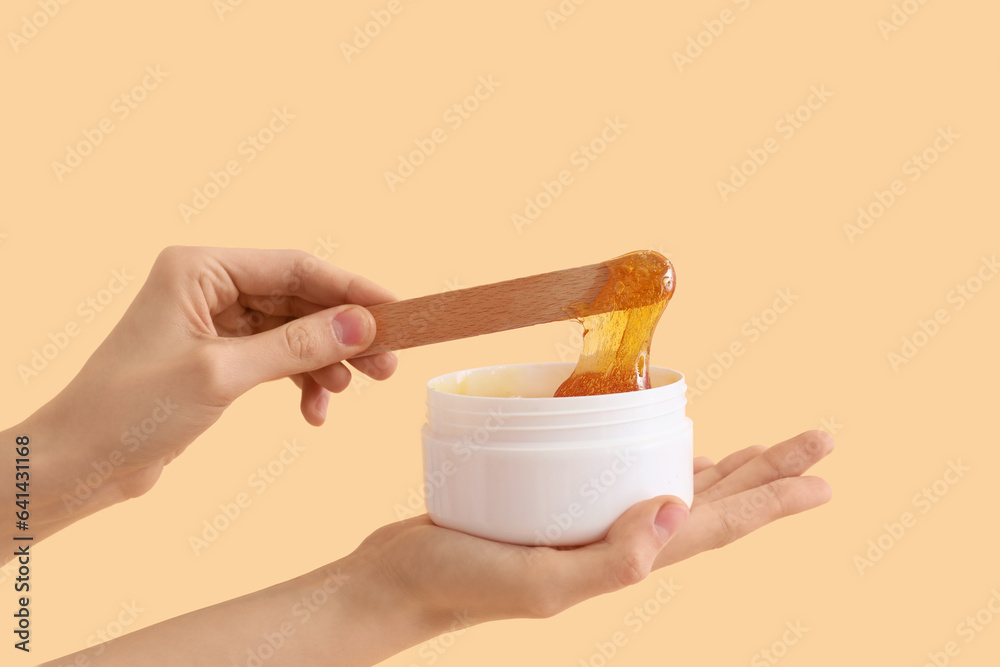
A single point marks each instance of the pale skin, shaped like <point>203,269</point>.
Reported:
<point>210,324</point>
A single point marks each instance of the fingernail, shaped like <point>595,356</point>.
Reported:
<point>322,402</point>
<point>350,326</point>
<point>669,519</point>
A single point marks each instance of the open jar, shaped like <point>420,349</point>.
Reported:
<point>506,461</point>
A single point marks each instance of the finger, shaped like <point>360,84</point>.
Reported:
<point>246,323</point>
<point>296,273</point>
<point>702,463</point>
<point>227,319</point>
<point>314,401</point>
<point>787,459</point>
<point>716,524</point>
<point>378,366</point>
<point>334,377</point>
<point>621,559</point>
<point>302,345</point>
<point>280,305</point>
<point>237,320</point>
<point>726,466</point>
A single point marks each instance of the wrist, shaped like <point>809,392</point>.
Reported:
<point>368,616</point>
<point>60,488</point>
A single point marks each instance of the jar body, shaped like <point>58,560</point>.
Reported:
<point>506,461</point>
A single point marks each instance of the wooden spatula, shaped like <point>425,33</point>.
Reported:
<point>475,311</point>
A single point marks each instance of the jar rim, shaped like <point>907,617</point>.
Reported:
<point>666,381</point>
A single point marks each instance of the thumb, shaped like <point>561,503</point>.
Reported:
<point>626,555</point>
<point>302,345</point>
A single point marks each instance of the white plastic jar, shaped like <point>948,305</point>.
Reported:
<point>505,460</point>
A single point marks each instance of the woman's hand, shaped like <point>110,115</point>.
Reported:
<point>411,581</point>
<point>208,325</point>
<point>455,575</point>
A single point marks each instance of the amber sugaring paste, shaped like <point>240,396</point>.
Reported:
<point>615,356</point>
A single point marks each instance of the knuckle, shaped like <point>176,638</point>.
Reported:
<point>378,366</point>
<point>781,461</point>
<point>172,257</point>
<point>543,596</point>
<point>630,570</point>
<point>301,342</point>
<point>341,378</point>
<point>210,372</point>
<point>302,266</point>
<point>776,505</point>
<point>758,507</point>
<point>173,252</point>
<point>543,604</point>
<point>729,525</point>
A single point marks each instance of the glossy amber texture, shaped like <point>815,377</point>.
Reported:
<point>618,327</point>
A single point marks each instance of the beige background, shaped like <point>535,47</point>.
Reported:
<point>322,181</point>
